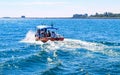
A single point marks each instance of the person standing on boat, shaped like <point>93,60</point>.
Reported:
<point>37,34</point>
<point>48,34</point>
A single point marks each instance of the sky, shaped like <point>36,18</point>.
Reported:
<point>56,8</point>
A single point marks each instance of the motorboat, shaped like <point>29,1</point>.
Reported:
<point>45,33</point>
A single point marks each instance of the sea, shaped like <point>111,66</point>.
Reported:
<point>90,47</point>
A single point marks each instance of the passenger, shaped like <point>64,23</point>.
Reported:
<point>45,34</point>
<point>53,35</point>
<point>42,34</point>
<point>37,33</point>
<point>45,30</point>
<point>48,34</point>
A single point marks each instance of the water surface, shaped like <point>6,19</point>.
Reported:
<point>91,46</point>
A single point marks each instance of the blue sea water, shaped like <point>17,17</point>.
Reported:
<point>91,47</point>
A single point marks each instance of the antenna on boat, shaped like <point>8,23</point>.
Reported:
<point>52,25</point>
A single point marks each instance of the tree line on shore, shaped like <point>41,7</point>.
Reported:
<point>97,15</point>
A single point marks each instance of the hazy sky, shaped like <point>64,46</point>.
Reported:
<point>56,8</point>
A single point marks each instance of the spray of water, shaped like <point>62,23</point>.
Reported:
<point>30,38</point>
<point>68,44</point>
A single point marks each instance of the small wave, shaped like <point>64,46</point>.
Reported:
<point>112,48</point>
<point>109,43</point>
<point>5,60</point>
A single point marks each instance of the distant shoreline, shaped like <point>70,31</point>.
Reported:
<point>61,18</point>
<point>106,15</point>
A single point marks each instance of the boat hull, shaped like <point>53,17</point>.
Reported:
<point>45,39</point>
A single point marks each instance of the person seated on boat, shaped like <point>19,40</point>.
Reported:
<point>48,34</point>
<point>53,35</point>
<point>45,32</point>
<point>42,35</point>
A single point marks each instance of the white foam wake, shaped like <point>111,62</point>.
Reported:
<point>74,44</point>
<point>66,44</point>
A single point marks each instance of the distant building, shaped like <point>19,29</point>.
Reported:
<point>80,16</point>
<point>22,16</point>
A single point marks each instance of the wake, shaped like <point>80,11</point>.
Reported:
<point>70,44</point>
<point>66,44</point>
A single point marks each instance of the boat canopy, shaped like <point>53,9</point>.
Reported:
<point>45,27</point>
